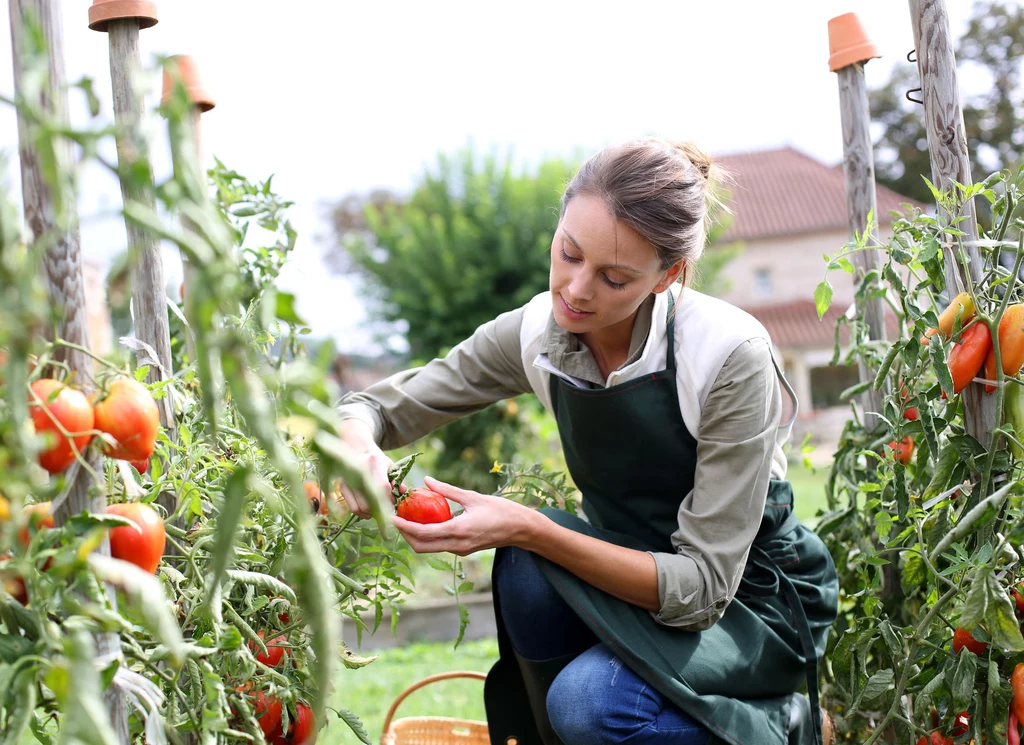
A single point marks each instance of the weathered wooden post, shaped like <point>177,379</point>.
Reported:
<point>947,146</point>
<point>54,217</point>
<point>183,67</point>
<point>122,21</point>
<point>850,48</point>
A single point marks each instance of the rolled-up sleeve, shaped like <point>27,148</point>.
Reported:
<point>485,368</point>
<point>719,519</point>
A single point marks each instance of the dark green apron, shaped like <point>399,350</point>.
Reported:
<point>633,459</point>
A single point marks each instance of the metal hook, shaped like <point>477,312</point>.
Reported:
<point>912,51</point>
<point>914,100</point>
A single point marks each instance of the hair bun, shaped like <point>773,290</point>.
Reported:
<point>700,159</point>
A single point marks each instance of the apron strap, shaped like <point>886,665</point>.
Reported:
<point>762,559</point>
<point>670,332</point>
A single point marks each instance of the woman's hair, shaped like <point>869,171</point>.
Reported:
<point>664,190</point>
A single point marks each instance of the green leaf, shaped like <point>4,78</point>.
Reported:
<point>963,681</point>
<point>141,372</point>
<point>355,725</point>
<point>823,297</point>
<point>883,525</point>
<point>855,390</point>
<point>877,686</point>
<point>236,492</point>
<point>1001,621</point>
<point>20,715</point>
<point>935,353</point>
<point>286,309</point>
<point>463,623</point>
<point>976,602</point>
<point>886,365</point>
<point>353,661</point>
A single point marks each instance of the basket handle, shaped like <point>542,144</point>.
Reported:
<point>426,681</point>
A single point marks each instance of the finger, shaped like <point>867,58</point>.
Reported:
<point>454,493</point>
<point>355,503</point>
<point>420,541</point>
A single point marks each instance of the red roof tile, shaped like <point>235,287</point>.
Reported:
<point>796,324</point>
<point>785,192</point>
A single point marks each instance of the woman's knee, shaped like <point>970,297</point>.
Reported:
<point>598,700</point>
<point>539,623</point>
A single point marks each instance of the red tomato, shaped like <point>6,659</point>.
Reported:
<point>39,515</point>
<point>129,414</point>
<point>302,730</point>
<point>1018,600</point>
<point>911,414</point>
<point>904,449</point>
<point>275,652</point>
<point>961,724</point>
<point>14,586</point>
<point>424,506</point>
<point>963,638</point>
<point>139,465</point>
<point>1017,686</point>
<point>268,713</point>
<point>317,501</point>
<point>69,407</point>
<point>142,545</point>
<point>968,355</point>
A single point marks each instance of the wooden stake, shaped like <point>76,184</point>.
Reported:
<point>950,160</point>
<point>859,173</point>
<point>63,266</point>
<point>149,293</point>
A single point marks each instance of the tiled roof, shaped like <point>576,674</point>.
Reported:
<point>795,324</point>
<point>784,192</point>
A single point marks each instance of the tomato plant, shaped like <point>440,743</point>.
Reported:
<point>930,546</point>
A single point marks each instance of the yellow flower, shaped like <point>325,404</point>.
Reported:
<point>496,468</point>
<point>5,506</point>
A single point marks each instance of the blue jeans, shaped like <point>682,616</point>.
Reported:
<point>596,699</point>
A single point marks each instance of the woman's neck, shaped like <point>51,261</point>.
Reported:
<point>610,345</point>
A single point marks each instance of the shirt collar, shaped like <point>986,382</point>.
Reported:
<point>571,356</point>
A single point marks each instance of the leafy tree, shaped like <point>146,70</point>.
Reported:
<point>993,42</point>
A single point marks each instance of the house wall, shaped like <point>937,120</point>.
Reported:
<point>794,266</point>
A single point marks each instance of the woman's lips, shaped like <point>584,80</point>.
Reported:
<point>574,314</point>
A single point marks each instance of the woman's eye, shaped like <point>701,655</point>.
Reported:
<point>567,257</point>
<point>613,285</point>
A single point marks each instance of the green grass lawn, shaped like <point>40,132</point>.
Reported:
<point>808,492</point>
<point>370,691</point>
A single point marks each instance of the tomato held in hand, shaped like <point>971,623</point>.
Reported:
<point>142,545</point>
<point>275,650</point>
<point>129,414</point>
<point>424,506</point>
<point>963,638</point>
<point>69,407</point>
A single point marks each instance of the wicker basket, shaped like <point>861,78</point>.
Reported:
<point>433,730</point>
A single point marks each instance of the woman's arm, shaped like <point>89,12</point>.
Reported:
<point>492,522</point>
<point>395,411</point>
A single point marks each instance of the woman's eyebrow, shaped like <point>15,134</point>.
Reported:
<point>624,267</point>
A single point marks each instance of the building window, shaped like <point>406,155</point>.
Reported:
<point>763,282</point>
<point>828,382</point>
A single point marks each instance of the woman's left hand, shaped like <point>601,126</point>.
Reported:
<point>486,522</point>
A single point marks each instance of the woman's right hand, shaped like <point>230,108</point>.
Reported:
<point>359,438</point>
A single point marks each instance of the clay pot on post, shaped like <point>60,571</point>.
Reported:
<point>103,12</point>
<point>185,67</point>
<point>848,42</point>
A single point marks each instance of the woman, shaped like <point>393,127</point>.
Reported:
<point>690,605</point>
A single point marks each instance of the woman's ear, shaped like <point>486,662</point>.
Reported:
<point>671,275</point>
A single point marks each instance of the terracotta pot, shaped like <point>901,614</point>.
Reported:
<point>186,68</point>
<point>103,12</point>
<point>848,42</point>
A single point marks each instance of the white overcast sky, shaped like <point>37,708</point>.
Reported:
<point>334,97</point>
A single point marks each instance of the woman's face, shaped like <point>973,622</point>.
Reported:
<point>601,269</point>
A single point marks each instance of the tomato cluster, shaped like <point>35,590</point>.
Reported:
<point>301,729</point>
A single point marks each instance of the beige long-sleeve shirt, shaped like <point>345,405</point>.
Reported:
<point>737,434</point>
